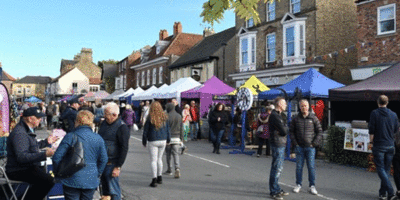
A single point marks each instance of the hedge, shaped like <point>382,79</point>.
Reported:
<point>335,152</point>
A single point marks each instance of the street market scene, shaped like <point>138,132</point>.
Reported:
<point>265,99</point>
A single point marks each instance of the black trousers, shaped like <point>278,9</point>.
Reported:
<point>261,142</point>
<point>49,120</point>
<point>396,169</point>
<point>41,182</point>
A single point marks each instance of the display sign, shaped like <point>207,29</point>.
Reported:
<point>356,140</point>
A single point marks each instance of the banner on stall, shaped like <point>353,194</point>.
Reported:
<point>356,140</point>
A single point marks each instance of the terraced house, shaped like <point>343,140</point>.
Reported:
<point>152,68</point>
<point>279,49</point>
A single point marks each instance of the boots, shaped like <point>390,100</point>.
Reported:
<point>215,147</point>
<point>218,145</point>
<point>159,179</point>
<point>153,182</point>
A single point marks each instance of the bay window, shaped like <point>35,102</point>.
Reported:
<point>247,48</point>
<point>294,37</point>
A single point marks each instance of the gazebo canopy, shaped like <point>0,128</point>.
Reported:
<point>311,83</point>
<point>33,99</point>
<point>123,95</point>
<point>115,93</point>
<point>98,95</point>
<point>142,96</point>
<point>386,82</point>
<point>254,84</point>
<point>175,89</point>
<point>137,91</point>
<point>212,86</point>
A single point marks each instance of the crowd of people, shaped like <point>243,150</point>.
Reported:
<point>105,131</point>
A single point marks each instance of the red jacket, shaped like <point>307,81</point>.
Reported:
<point>194,112</point>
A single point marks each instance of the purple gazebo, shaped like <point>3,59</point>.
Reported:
<point>205,92</point>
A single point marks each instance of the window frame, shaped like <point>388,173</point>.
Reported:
<point>154,76</point>
<point>248,24</point>
<point>160,73</point>
<point>297,23</point>
<point>137,79</point>
<point>267,47</point>
<point>268,11</point>
<point>75,87</point>
<point>379,32</point>
<point>143,78</point>
<point>148,77</point>
<point>249,35</point>
<point>292,5</point>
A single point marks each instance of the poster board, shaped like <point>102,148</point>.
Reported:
<point>356,140</point>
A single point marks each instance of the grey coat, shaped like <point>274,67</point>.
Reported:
<point>174,121</point>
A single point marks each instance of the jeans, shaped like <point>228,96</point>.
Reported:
<point>261,142</point>
<point>78,194</point>
<point>308,154</point>
<point>41,182</point>
<point>396,169</point>
<point>156,149</point>
<point>194,129</point>
<point>278,154</point>
<point>217,136</point>
<point>173,150</point>
<point>110,185</point>
<point>383,157</point>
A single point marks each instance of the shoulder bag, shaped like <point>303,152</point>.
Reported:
<point>73,160</point>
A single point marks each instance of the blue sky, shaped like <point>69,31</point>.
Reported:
<point>36,35</point>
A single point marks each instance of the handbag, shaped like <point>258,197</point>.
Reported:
<point>135,127</point>
<point>73,160</point>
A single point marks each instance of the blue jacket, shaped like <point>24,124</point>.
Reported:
<point>150,133</point>
<point>383,124</point>
<point>23,149</point>
<point>70,115</point>
<point>95,158</point>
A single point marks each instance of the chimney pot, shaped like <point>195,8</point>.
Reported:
<point>163,34</point>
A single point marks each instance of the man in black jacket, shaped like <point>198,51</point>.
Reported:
<point>383,124</point>
<point>305,133</point>
<point>278,138</point>
<point>24,156</point>
<point>68,117</point>
<point>116,136</point>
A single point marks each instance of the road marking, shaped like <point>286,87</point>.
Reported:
<point>217,163</point>
<point>319,195</point>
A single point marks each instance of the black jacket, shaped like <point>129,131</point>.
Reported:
<point>383,124</point>
<point>305,131</point>
<point>116,136</point>
<point>215,124</point>
<point>278,129</point>
<point>23,150</point>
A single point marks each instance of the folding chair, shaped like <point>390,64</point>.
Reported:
<point>5,181</point>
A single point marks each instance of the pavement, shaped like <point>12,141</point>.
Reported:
<point>205,175</point>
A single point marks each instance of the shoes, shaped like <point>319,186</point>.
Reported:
<point>297,189</point>
<point>184,149</point>
<point>283,193</point>
<point>159,179</point>
<point>153,182</point>
<point>313,190</point>
<point>177,173</point>
<point>168,172</point>
<point>218,149</point>
<point>277,197</point>
<point>382,197</point>
<point>215,147</point>
<point>258,155</point>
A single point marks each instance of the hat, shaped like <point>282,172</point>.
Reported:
<point>74,101</point>
<point>33,111</point>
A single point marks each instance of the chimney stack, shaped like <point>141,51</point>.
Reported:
<point>163,34</point>
<point>208,32</point>
<point>177,28</point>
<point>86,54</point>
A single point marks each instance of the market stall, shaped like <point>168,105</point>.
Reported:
<point>175,89</point>
<point>33,99</point>
<point>121,97</point>
<point>112,95</point>
<point>97,96</point>
<point>311,84</point>
<point>137,92</point>
<point>254,84</point>
<point>145,95</point>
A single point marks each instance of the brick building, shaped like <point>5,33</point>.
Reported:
<point>152,68</point>
<point>214,55</point>
<point>278,49</point>
<point>84,62</point>
<point>378,36</point>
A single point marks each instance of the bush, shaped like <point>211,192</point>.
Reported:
<point>336,153</point>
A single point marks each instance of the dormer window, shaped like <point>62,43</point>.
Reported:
<point>158,49</point>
